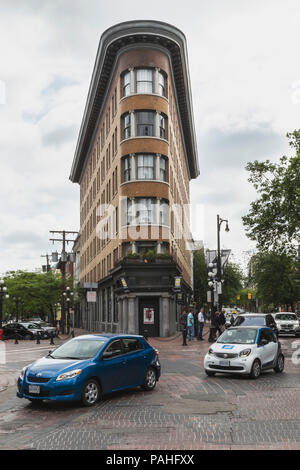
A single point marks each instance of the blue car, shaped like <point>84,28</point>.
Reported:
<point>89,366</point>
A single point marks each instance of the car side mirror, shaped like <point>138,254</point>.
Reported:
<point>107,354</point>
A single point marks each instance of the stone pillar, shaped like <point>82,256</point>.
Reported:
<point>125,315</point>
<point>133,174</point>
<point>132,124</point>
<point>131,315</point>
<point>132,81</point>
<point>155,81</point>
<point>157,166</point>
<point>133,247</point>
<point>157,215</point>
<point>156,124</point>
<point>165,316</point>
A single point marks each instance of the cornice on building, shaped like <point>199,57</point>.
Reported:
<point>132,33</point>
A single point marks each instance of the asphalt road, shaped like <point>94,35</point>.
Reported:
<point>187,410</point>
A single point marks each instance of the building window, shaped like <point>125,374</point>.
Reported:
<point>145,167</point>
<point>144,81</point>
<point>163,213</point>
<point>162,126</point>
<point>126,126</point>
<point>145,123</point>
<point>127,169</point>
<point>163,169</point>
<point>161,84</point>
<point>126,84</point>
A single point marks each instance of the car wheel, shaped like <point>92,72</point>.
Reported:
<point>90,393</point>
<point>150,379</point>
<point>256,369</point>
<point>210,373</point>
<point>280,364</point>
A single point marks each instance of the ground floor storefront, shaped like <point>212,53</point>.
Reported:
<point>137,299</point>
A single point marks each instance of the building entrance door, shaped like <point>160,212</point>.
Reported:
<point>149,316</point>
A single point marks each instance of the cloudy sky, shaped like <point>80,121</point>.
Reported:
<point>245,75</point>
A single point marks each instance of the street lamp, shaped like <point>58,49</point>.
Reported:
<point>17,301</point>
<point>219,271</point>
<point>68,296</point>
<point>3,294</point>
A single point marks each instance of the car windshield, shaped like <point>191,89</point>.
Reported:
<point>78,349</point>
<point>238,336</point>
<point>257,320</point>
<point>286,316</point>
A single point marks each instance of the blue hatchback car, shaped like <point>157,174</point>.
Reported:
<point>89,366</point>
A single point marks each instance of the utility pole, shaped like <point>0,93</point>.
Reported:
<point>64,258</point>
<point>48,268</point>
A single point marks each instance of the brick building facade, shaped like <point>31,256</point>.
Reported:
<point>135,156</point>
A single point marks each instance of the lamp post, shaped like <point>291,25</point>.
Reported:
<point>219,267</point>
<point>3,294</point>
<point>211,284</point>
<point>68,296</point>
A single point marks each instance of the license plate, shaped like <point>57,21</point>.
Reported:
<point>225,363</point>
<point>34,389</point>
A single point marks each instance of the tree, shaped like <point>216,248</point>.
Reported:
<point>200,277</point>
<point>233,282</point>
<point>272,274</point>
<point>39,292</point>
<point>273,220</point>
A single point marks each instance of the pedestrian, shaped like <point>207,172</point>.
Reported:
<point>218,323</point>
<point>183,327</point>
<point>195,314</point>
<point>201,321</point>
<point>190,326</point>
<point>222,321</point>
<point>213,326</point>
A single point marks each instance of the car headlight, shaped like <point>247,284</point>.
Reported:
<point>23,371</point>
<point>245,352</point>
<point>211,351</point>
<point>68,375</point>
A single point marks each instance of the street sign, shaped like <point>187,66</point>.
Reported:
<point>90,285</point>
<point>91,296</point>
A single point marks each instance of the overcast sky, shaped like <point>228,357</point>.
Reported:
<point>245,76</point>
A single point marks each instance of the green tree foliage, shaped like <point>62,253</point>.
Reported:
<point>273,220</point>
<point>272,274</point>
<point>233,283</point>
<point>38,292</point>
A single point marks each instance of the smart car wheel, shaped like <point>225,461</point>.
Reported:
<point>210,373</point>
<point>280,364</point>
<point>149,380</point>
<point>90,393</point>
<point>256,369</point>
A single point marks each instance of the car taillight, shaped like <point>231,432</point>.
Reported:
<point>156,352</point>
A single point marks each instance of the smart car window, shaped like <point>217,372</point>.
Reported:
<point>238,336</point>
<point>248,321</point>
<point>131,345</point>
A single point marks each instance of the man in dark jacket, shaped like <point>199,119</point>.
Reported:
<point>183,327</point>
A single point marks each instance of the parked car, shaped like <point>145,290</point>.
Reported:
<point>245,350</point>
<point>256,319</point>
<point>287,323</point>
<point>36,329</point>
<point>88,366</point>
<point>47,327</point>
<point>18,331</point>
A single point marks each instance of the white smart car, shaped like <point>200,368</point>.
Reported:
<point>245,350</point>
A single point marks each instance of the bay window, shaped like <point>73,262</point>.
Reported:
<point>145,123</point>
<point>145,167</point>
<point>144,81</point>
